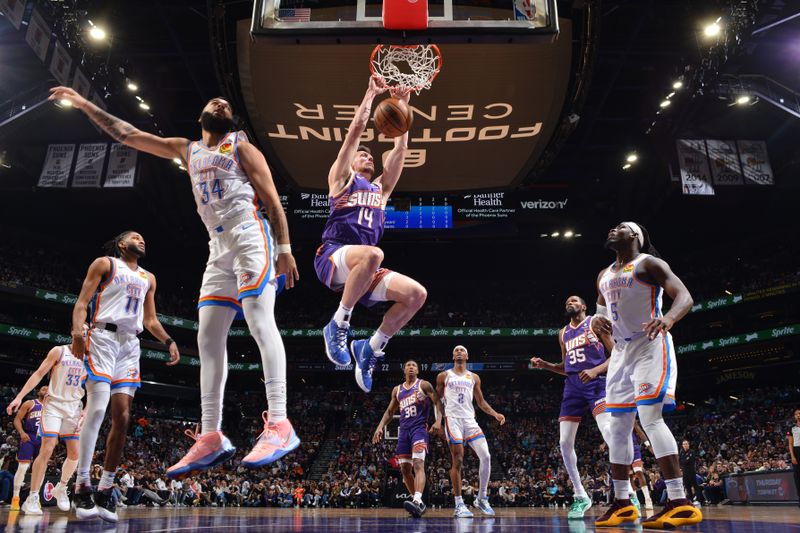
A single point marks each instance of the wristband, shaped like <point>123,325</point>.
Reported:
<point>168,341</point>
<point>284,249</point>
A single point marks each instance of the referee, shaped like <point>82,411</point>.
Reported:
<point>794,449</point>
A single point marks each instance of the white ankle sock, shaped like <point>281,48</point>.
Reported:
<point>106,481</point>
<point>418,497</point>
<point>342,316</point>
<point>622,489</point>
<point>675,489</point>
<point>379,340</point>
<point>459,500</point>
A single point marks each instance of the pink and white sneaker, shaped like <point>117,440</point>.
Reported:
<point>274,442</point>
<point>208,451</point>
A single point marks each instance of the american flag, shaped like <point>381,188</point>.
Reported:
<point>302,14</point>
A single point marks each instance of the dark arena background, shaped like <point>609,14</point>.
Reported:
<point>549,123</point>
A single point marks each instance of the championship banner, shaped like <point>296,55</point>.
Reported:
<point>61,63</point>
<point>89,165</point>
<point>695,174</point>
<point>725,166</point>
<point>81,83</point>
<point>57,164</point>
<point>121,166</point>
<point>38,35</point>
<point>13,10</point>
<point>755,163</point>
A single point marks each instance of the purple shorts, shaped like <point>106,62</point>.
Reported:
<point>29,450</point>
<point>414,439</point>
<point>581,397</point>
<point>324,266</point>
<point>637,451</point>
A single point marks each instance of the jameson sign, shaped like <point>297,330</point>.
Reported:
<point>746,338</point>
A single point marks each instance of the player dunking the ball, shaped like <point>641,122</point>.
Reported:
<point>642,372</point>
<point>349,260</point>
<point>458,386</point>
<point>231,182</point>
<point>584,363</point>
<point>413,399</point>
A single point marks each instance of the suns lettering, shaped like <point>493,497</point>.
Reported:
<point>365,199</point>
<point>409,401</point>
<point>583,339</point>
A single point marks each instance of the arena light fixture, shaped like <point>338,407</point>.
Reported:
<point>144,106</point>
<point>664,103</point>
<point>743,99</point>
<point>632,157</point>
<point>542,235</point>
<point>670,95</point>
<point>132,86</point>
<point>97,33</point>
<point>568,234</point>
<point>734,398</point>
<point>555,234</point>
<point>677,85</point>
<point>713,29</point>
<point>177,161</point>
<point>626,166</point>
<point>65,103</point>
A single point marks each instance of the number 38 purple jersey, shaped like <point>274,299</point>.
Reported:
<point>356,215</point>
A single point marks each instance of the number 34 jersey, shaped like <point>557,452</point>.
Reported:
<point>583,349</point>
<point>120,298</point>
<point>458,395</point>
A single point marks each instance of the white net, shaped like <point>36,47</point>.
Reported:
<point>412,67</point>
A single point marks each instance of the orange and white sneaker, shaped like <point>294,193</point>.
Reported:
<point>15,503</point>
<point>676,513</point>
<point>274,442</point>
<point>620,512</point>
<point>208,451</point>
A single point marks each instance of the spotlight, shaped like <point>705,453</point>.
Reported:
<point>632,157</point>
<point>65,103</point>
<point>733,398</point>
<point>578,235</point>
<point>626,166</point>
<point>144,106</point>
<point>177,160</point>
<point>743,99</point>
<point>97,33</point>
<point>132,86</point>
<point>713,29</point>
<point>670,95</point>
<point>543,235</point>
<point>555,234</point>
<point>664,103</point>
<point>568,234</point>
<point>677,85</point>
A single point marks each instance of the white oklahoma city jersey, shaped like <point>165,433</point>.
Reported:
<point>220,186</point>
<point>120,299</point>
<point>458,395</point>
<point>631,302</point>
<point>66,378</point>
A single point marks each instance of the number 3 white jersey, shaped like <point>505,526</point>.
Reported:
<point>220,186</point>
<point>631,302</point>
<point>66,378</point>
<point>458,395</point>
<point>120,298</point>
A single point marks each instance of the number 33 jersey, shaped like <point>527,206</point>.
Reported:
<point>120,297</point>
<point>458,395</point>
<point>583,349</point>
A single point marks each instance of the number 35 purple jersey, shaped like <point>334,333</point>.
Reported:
<point>583,349</point>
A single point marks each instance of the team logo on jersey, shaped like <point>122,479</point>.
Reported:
<point>644,388</point>
<point>628,269</point>
<point>226,149</point>
<point>132,373</point>
<point>245,278</point>
<point>143,275</point>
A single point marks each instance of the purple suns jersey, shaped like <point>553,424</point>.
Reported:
<point>356,215</point>
<point>583,349</point>
<point>33,419</point>
<point>414,406</point>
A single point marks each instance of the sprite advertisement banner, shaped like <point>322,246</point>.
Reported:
<point>726,301</point>
<point>746,338</point>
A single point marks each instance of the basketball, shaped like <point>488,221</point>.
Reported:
<point>393,117</point>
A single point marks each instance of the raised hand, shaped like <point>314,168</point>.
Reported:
<point>66,93</point>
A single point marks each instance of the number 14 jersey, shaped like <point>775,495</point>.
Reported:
<point>356,215</point>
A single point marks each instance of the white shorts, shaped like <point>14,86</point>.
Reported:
<point>340,273</point>
<point>241,262</point>
<point>113,357</point>
<point>642,372</point>
<point>61,419</point>
<point>462,430</point>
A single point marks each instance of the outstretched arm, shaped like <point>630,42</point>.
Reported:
<point>52,358</point>
<point>255,165</point>
<point>483,404</point>
<point>682,302</point>
<point>340,170</point>
<point>121,131</point>
<point>387,415</point>
<point>396,158</point>
<point>153,325</point>
<point>98,270</point>
<point>557,368</point>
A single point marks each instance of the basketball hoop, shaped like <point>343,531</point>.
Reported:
<point>412,67</point>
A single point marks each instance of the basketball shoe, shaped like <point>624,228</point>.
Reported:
<point>578,508</point>
<point>275,441</point>
<point>461,511</point>
<point>60,494</point>
<point>482,504</point>
<point>15,503</point>
<point>208,451</point>
<point>675,513</point>
<point>336,343</point>
<point>85,508</point>
<point>366,360</point>
<point>620,512</point>
<point>32,505</point>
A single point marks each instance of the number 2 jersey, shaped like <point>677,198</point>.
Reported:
<point>458,395</point>
<point>120,297</point>
<point>414,406</point>
<point>356,215</point>
<point>583,349</point>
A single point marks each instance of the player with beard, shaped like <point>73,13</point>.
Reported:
<point>246,269</point>
<point>122,299</point>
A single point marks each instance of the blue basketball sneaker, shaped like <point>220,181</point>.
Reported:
<point>366,360</point>
<point>483,506</point>
<point>461,511</point>
<point>336,343</point>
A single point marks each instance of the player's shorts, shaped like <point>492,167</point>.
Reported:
<point>29,450</point>
<point>642,372</point>
<point>60,419</point>
<point>331,268</point>
<point>580,397</point>
<point>462,430</point>
<point>412,443</point>
<point>637,452</point>
<point>113,357</point>
<point>241,262</point>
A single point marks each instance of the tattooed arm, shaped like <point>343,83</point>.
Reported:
<point>123,132</point>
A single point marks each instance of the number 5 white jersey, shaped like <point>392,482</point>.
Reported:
<point>458,395</point>
<point>120,297</point>
<point>220,186</point>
